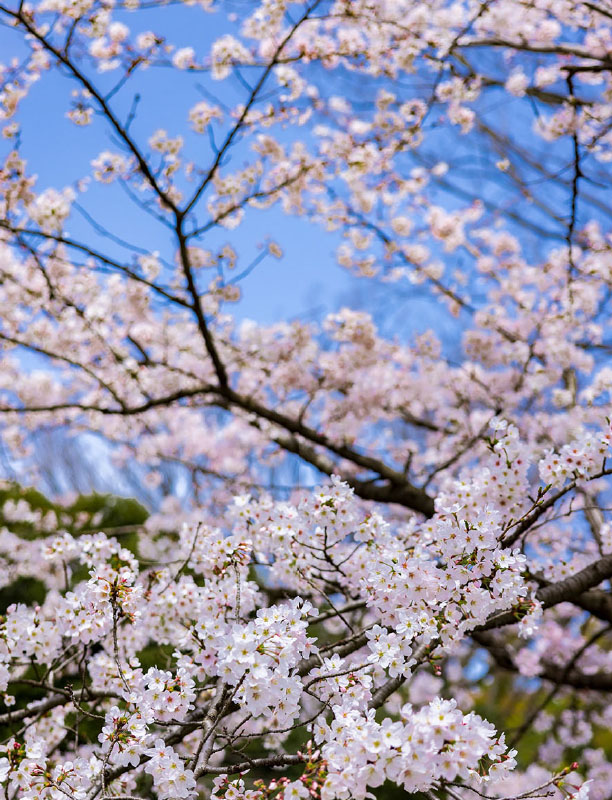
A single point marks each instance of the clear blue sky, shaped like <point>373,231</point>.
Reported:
<point>305,280</point>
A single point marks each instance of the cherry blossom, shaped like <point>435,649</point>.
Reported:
<point>385,524</point>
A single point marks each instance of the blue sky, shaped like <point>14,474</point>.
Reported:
<point>307,278</point>
<point>59,153</point>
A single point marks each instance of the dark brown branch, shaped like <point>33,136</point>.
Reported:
<point>207,336</point>
<point>561,675</point>
<point>398,488</point>
<point>522,526</point>
<point>109,262</point>
<point>281,760</point>
<point>572,589</point>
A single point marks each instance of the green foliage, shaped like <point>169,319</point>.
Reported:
<point>14,493</point>
<point>22,590</point>
<point>30,515</point>
<point>116,512</point>
<point>120,516</point>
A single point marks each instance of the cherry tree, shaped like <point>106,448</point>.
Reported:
<point>289,641</point>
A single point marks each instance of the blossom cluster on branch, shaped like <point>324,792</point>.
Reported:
<point>387,600</point>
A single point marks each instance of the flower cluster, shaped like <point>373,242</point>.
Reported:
<point>436,743</point>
